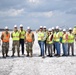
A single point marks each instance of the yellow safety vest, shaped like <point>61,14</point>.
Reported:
<point>15,36</point>
<point>40,36</point>
<point>61,33</point>
<point>48,40</point>
<point>56,37</point>
<point>45,35</point>
<point>22,34</point>
<point>70,38</point>
<point>74,31</point>
<point>64,40</point>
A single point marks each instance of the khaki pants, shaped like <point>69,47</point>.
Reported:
<point>71,45</point>
<point>29,47</point>
<point>15,44</point>
<point>5,48</point>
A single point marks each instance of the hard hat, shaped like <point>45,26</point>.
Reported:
<point>28,28</point>
<point>15,26</point>
<point>64,30</point>
<point>41,26</point>
<point>53,28</point>
<point>6,27</point>
<point>21,25</point>
<point>49,29</point>
<point>57,27</point>
<point>44,27</point>
<point>70,28</point>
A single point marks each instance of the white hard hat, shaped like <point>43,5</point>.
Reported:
<point>57,27</point>
<point>49,29</point>
<point>6,27</point>
<point>70,28</point>
<point>44,27</point>
<point>28,28</point>
<point>64,30</point>
<point>53,28</point>
<point>21,25</point>
<point>41,26</point>
<point>15,26</point>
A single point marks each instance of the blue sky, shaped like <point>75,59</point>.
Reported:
<point>35,13</point>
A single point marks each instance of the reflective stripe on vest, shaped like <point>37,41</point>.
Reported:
<point>64,40</point>
<point>22,34</point>
<point>6,37</point>
<point>70,38</point>
<point>41,36</point>
<point>48,40</point>
<point>16,35</point>
<point>29,37</point>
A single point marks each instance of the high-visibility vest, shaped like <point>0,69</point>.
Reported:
<point>48,39</point>
<point>6,37</point>
<point>22,36</point>
<point>64,39</point>
<point>40,36</point>
<point>56,37</point>
<point>45,34</point>
<point>70,38</point>
<point>74,31</point>
<point>29,37</point>
<point>61,33</point>
<point>16,36</point>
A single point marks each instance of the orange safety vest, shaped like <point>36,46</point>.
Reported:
<point>29,37</point>
<point>6,37</point>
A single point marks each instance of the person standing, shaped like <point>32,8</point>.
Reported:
<point>65,43</point>
<point>57,41</point>
<point>70,42</point>
<point>50,43</point>
<point>29,40</point>
<point>41,42</point>
<point>15,37</point>
<point>5,42</point>
<point>45,37</point>
<point>22,36</point>
<point>53,31</point>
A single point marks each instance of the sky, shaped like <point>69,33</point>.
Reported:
<point>36,13</point>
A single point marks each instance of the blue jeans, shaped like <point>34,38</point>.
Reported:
<point>57,46</point>
<point>65,48</point>
<point>41,44</point>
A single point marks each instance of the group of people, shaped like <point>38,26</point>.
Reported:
<point>19,37</point>
<point>49,40</point>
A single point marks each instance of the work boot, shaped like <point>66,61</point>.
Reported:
<point>27,55</point>
<point>7,55</point>
<point>43,56</point>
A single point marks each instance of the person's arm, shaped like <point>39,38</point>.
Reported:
<point>33,37</point>
<point>2,36</point>
<point>51,38</point>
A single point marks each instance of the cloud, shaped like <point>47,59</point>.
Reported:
<point>42,14</point>
<point>12,12</point>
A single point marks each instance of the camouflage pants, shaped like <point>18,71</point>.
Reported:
<point>15,44</point>
<point>29,47</point>
<point>5,48</point>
